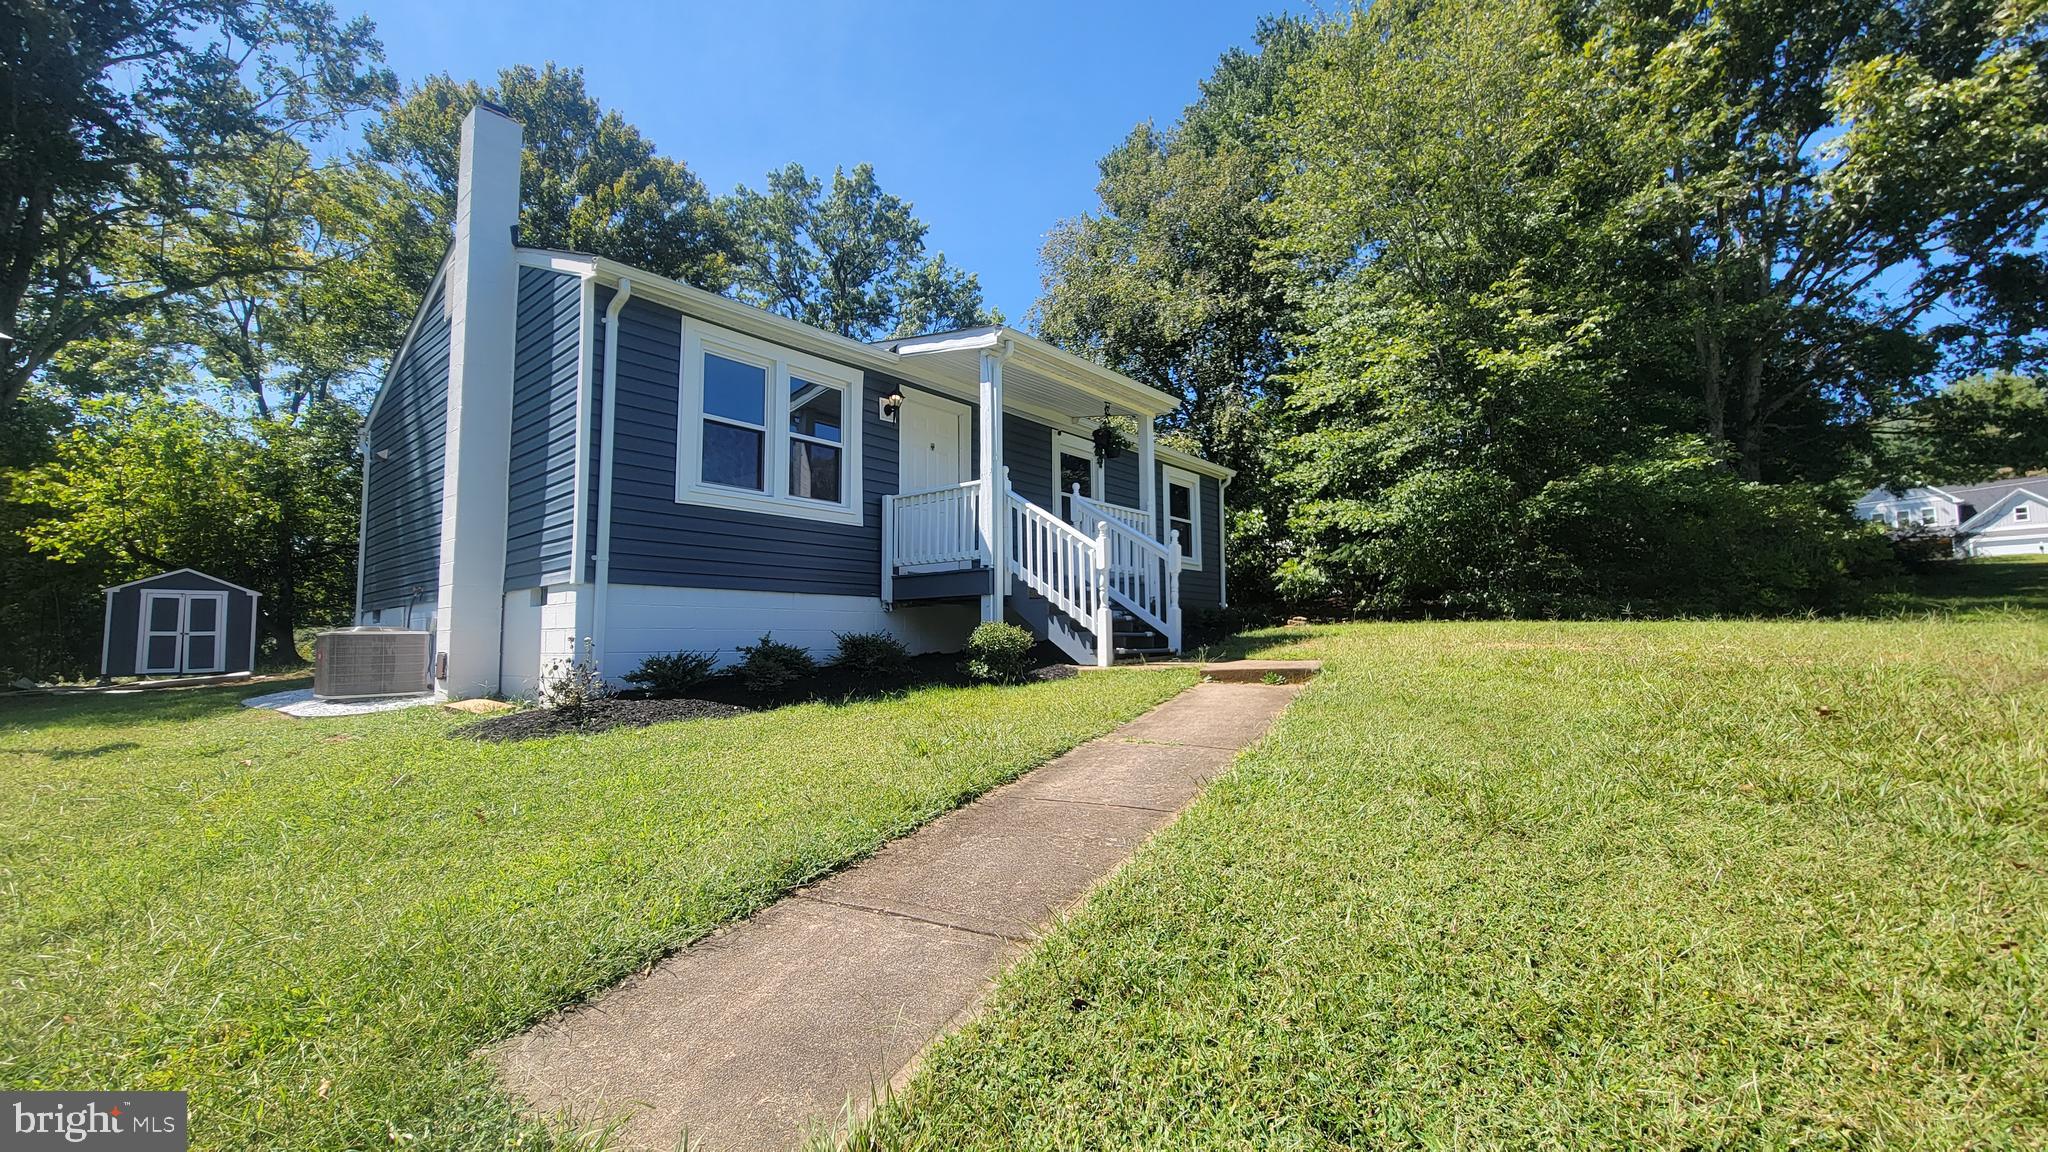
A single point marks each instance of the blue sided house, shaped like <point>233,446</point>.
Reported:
<point>568,448</point>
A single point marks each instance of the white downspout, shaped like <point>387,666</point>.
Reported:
<point>604,484</point>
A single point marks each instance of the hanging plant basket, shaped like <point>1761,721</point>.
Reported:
<point>1110,440</point>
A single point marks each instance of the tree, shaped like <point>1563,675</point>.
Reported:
<point>141,484</point>
<point>122,116</point>
<point>1164,282</point>
<point>1831,195</point>
<point>1982,428</point>
<point>852,261</point>
<point>1472,409</point>
<point>589,181</point>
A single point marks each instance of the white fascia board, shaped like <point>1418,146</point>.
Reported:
<point>1194,463</point>
<point>178,571</point>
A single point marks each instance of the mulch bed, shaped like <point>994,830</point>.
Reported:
<point>618,712</point>
<point>726,695</point>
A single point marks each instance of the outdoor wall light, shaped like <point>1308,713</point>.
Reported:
<point>891,405</point>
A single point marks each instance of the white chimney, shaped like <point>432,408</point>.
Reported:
<point>482,294</point>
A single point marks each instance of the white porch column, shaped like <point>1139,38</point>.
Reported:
<point>994,499</point>
<point>482,297</point>
<point>1148,474</point>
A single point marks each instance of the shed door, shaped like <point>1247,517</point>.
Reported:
<point>183,632</point>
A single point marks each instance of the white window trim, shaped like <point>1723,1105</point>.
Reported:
<point>1068,444</point>
<point>2022,513</point>
<point>781,363</point>
<point>1169,476</point>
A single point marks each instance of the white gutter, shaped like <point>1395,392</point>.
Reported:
<point>604,486</point>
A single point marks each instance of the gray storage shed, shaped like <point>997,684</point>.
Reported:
<point>182,623</point>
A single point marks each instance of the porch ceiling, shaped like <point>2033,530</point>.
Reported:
<point>1036,374</point>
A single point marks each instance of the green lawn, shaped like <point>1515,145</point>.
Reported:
<point>1536,884</point>
<point>312,925</point>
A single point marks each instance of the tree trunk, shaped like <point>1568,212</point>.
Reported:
<point>1749,448</point>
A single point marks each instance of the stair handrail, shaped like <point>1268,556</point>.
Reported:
<point>1144,574</point>
<point>1057,560</point>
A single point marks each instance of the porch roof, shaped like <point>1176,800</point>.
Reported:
<point>1036,373</point>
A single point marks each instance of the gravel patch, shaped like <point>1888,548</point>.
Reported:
<point>534,723</point>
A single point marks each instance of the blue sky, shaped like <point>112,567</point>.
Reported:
<point>989,118</point>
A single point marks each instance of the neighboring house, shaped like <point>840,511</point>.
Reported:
<point>2003,518</point>
<point>569,448</point>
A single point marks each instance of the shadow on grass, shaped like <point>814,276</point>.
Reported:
<point>1985,584</point>
<point>88,710</point>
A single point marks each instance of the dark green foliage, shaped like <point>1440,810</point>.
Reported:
<point>999,653</point>
<point>875,655</point>
<point>670,674</point>
<point>851,261</point>
<point>771,665</point>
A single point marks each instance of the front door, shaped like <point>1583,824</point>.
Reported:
<point>935,450</point>
<point>183,632</point>
<point>1075,467</point>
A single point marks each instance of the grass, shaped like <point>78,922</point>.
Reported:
<point>1699,884</point>
<point>313,925</point>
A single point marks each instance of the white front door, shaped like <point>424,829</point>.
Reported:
<point>935,449</point>
<point>182,632</point>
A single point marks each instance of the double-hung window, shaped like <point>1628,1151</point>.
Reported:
<point>1184,514</point>
<point>764,428</point>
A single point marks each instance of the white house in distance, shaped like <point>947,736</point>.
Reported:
<point>2002,518</point>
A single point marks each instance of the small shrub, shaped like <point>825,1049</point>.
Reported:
<point>999,653</point>
<point>871,654</point>
<point>771,665</point>
<point>573,687</point>
<point>665,676</point>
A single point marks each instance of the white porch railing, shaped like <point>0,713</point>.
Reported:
<point>1052,558</point>
<point>1110,558</point>
<point>1144,574</point>
<point>933,529</point>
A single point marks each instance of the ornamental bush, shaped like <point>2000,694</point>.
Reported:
<point>999,653</point>
<point>668,675</point>
<point>871,654</point>
<point>771,664</point>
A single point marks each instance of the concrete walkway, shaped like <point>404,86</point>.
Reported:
<point>761,1034</point>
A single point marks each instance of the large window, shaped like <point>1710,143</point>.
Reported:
<point>767,429</point>
<point>1184,514</point>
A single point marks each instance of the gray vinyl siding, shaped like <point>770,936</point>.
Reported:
<point>123,624</point>
<point>657,541</point>
<point>1027,453</point>
<point>541,477</point>
<point>402,496</point>
<point>1120,479</point>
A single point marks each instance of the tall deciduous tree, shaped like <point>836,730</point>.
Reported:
<point>1835,194</point>
<point>589,180</point>
<point>139,484</point>
<point>851,260</point>
<point>121,116</point>
<point>1163,282</point>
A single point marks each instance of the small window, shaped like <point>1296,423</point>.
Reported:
<point>1184,514</point>
<point>815,413</point>
<point>735,422</point>
<point>2022,514</point>
<point>1927,515</point>
<point>765,428</point>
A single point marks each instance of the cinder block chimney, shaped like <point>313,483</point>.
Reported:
<point>482,299</point>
